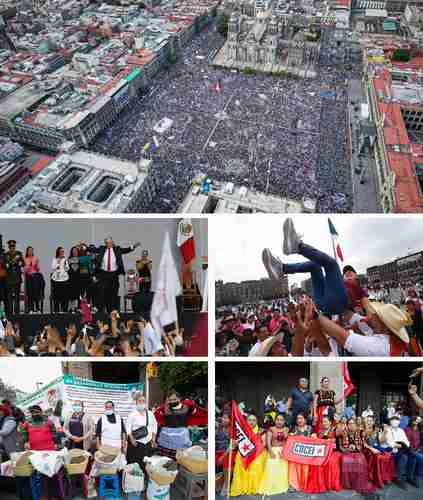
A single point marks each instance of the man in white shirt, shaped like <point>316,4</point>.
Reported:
<point>142,427</point>
<point>152,340</point>
<point>109,266</point>
<point>262,334</point>
<point>395,438</point>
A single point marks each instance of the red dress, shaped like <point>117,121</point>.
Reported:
<point>381,465</point>
<point>328,477</point>
<point>354,470</point>
<point>325,408</point>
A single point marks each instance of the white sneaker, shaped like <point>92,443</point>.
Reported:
<point>291,239</point>
<point>273,265</point>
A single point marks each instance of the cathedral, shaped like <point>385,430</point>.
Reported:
<point>260,39</point>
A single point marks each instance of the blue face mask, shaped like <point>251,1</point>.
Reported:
<point>77,409</point>
<point>109,413</point>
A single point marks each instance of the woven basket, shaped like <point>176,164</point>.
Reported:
<point>194,466</point>
<point>23,470</point>
<point>160,479</point>
<point>80,468</point>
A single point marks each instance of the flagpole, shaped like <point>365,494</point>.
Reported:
<point>229,469</point>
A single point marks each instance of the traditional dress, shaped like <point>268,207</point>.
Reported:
<point>174,434</point>
<point>328,477</point>
<point>275,476</point>
<point>325,407</point>
<point>298,473</point>
<point>247,481</point>
<point>355,474</point>
<point>381,465</point>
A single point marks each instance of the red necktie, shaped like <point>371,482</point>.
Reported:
<point>109,260</point>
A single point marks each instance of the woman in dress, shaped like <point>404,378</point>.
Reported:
<point>326,477</point>
<point>275,476</point>
<point>85,271</point>
<point>324,404</point>
<point>31,267</point>
<point>381,463</point>
<point>174,417</point>
<point>247,481</point>
<point>355,474</point>
<point>298,473</point>
<point>60,281</point>
<point>74,282</point>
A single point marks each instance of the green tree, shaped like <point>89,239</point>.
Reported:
<point>222,24</point>
<point>7,392</point>
<point>248,71</point>
<point>184,377</point>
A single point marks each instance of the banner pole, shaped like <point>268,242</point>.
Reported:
<point>229,469</point>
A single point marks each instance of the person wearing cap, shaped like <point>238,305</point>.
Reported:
<point>10,439</point>
<point>39,432</point>
<point>357,296</point>
<point>395,440</point>
<point>329,291</point>
<point>14,262</point>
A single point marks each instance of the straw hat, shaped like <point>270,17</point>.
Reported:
<point>393,318</point>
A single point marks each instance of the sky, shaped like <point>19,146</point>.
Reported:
<point>25,373</point>
<point>236,245</point>
<point>46,235</point>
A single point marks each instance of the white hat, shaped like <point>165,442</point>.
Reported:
<point>393,318</point>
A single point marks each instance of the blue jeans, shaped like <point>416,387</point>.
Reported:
<point>329,292</point>
<point>415,464</point>
<point>401,465</point>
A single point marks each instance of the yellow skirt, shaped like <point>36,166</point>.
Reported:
<point>275,477</point>
<point>247,481</point>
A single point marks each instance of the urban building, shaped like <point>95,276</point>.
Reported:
<point>376,384</point>
<point>230,198</point>
<point>251,291</point>
<point>78,65</point>
<point>395,96</point>
<point>404,270</point>
<point>84,182</point>
<point>260,40</point>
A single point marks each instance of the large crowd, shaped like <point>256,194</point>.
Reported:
<point>84,281</point>
<point>282,136</point>
<point>370,449</point>
<point>161,431</point>
<point>341,318</point>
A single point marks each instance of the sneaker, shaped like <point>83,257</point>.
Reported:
<point>273,265</point>
<point>291,240</point>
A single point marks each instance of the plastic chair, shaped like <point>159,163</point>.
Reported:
<point>109,486</point>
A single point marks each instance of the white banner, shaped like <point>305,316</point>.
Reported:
<point>47,397</point>
<point>95,394</point>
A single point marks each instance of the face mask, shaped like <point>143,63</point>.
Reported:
<point>77,409</point>
<point>109,413</point>
<point>37,417</point>
<point>395,424</point>
<point>141,407</point>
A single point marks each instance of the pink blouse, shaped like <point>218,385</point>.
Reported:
<point>31,265</point>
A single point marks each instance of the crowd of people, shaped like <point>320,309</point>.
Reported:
<point>110,337</point>
<point>162,430</point>
<point>278,135</point>
<point>370,449</point>
<point>340,318</point>
<point>84,271</point>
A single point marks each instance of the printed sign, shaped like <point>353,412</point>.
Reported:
<point>307,450</point>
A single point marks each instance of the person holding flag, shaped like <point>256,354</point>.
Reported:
<point>250,457</point>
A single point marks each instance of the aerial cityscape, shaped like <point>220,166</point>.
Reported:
<point>211,106</point>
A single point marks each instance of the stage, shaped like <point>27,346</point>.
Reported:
<point>195,326</point>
